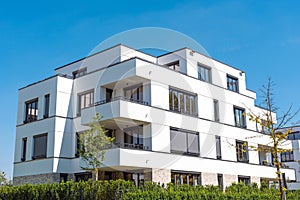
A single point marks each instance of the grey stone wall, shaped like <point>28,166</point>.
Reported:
<point>37,179</point>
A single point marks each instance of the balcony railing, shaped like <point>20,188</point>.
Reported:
<point>128,146</point>
<point>121,98</point>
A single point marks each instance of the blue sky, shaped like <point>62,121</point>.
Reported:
<point>260,37</point>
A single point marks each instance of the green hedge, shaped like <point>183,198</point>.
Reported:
<point>120,189</point>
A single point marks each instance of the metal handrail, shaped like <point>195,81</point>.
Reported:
<point>121,98</point>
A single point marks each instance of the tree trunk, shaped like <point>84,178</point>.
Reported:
<point>278,172</point>
<point>96,174</point>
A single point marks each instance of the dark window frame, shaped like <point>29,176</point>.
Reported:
<point>218,147</point>
<point>182,102</point>
<point>46,105</point>
<point>242,151</point>
<point>187,133</point>
<point>207,75</point>
<point>31,110</point>
<point>287,156</point>
<point>245,179</point>
<point>134,137</point>
<point>232,83</point>
<point>240,119</point>
<point>85,104</point>
<point>178,177</point>
<point>36,155</point>
<point>216,110</point>
<point>135,92</point>
<point>220,181</point>
<point>24,149</point>
<point>175,65</point>
<point>79,73</point>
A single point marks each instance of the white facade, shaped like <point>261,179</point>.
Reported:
<point>164,119</point>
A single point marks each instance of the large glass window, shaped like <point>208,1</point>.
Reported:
<point>204,73</point>
<point>39,146</point>
<point>31,110</point>
<point>47,105</point>
<point>242,151</point>
<point>294,136</point>
<point>184,142</point>
<point>218,147</point>
<point>287,156</point>
<point>182,102</point>
<point>133,138</point>
<point>232,83</point>
<point>108,94</point>
<point>239,117</point>
<point>85,100</point>
<point>134,93</point>
<point>137,178</point>
<point>189,178</point>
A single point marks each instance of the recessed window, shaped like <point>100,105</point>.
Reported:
<point>137,178</point>
<point>31,112</point>
<point>232,83</point>
<point>184,142</point>
<point>47,106</point>
<point>78,145</point>
<point>239,117</point>
<point>218,147</point>
<point>189,178</point>
<point>287,156</point>
<point>182,102</point>
<point>85,176</point>
<point>204,73</point>
<point>108,94</point>
<point>242,151</point>
<point>220,181</point>
<point>39,146</point>
<point>244,179</point>
<point>133,138</point>
<point>294,136</point>
<point>134,93</point>
<point>216,111</point>
<point>24,149</point>
<point>79,73</point>
<point>174,65</point>
<point>85,100</point>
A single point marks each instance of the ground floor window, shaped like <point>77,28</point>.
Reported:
<point>137,178</point>
<point>244,179</point>
<point>85,176</point>
<point>189,178</point>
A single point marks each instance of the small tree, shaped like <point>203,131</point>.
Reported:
<point>94,143</point>
<point>275,128</point>
<point>3,179</point>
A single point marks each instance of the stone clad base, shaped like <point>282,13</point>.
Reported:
<point>37,179</point>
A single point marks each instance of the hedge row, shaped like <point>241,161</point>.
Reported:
<point>120,189</point>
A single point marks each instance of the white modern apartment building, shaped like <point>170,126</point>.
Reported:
<point>178,117</point>
<point>292,158</point>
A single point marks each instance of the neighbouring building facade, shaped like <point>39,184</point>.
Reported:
<point>179,117</point>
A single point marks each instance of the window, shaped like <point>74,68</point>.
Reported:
<point>239,117</point>
<point>182,102</point>
<point>47,105</point>
<point>79,73</point>
<point>108,94</point>
<point>218,147</point>
<point>78,145</point>
<point>134,93</point>
<point>294,136</point>
<point>244,179</point>
<point>83,176</point>
<point>63,177</point>
<point>204,73</point>
<point>185,142</point>
<point>133,138</point>
<point>242,151</point>
<point>137,178</point>
<point>232,83</point>
<point>86,100</point>
<point>287,156</point>
<point>39,146</point>
<point>216,110</point>
<point>189,178</point>
<point>220,181</point>
<point>31,110</point>
<point>24,147</point>
<point>174,65</point>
